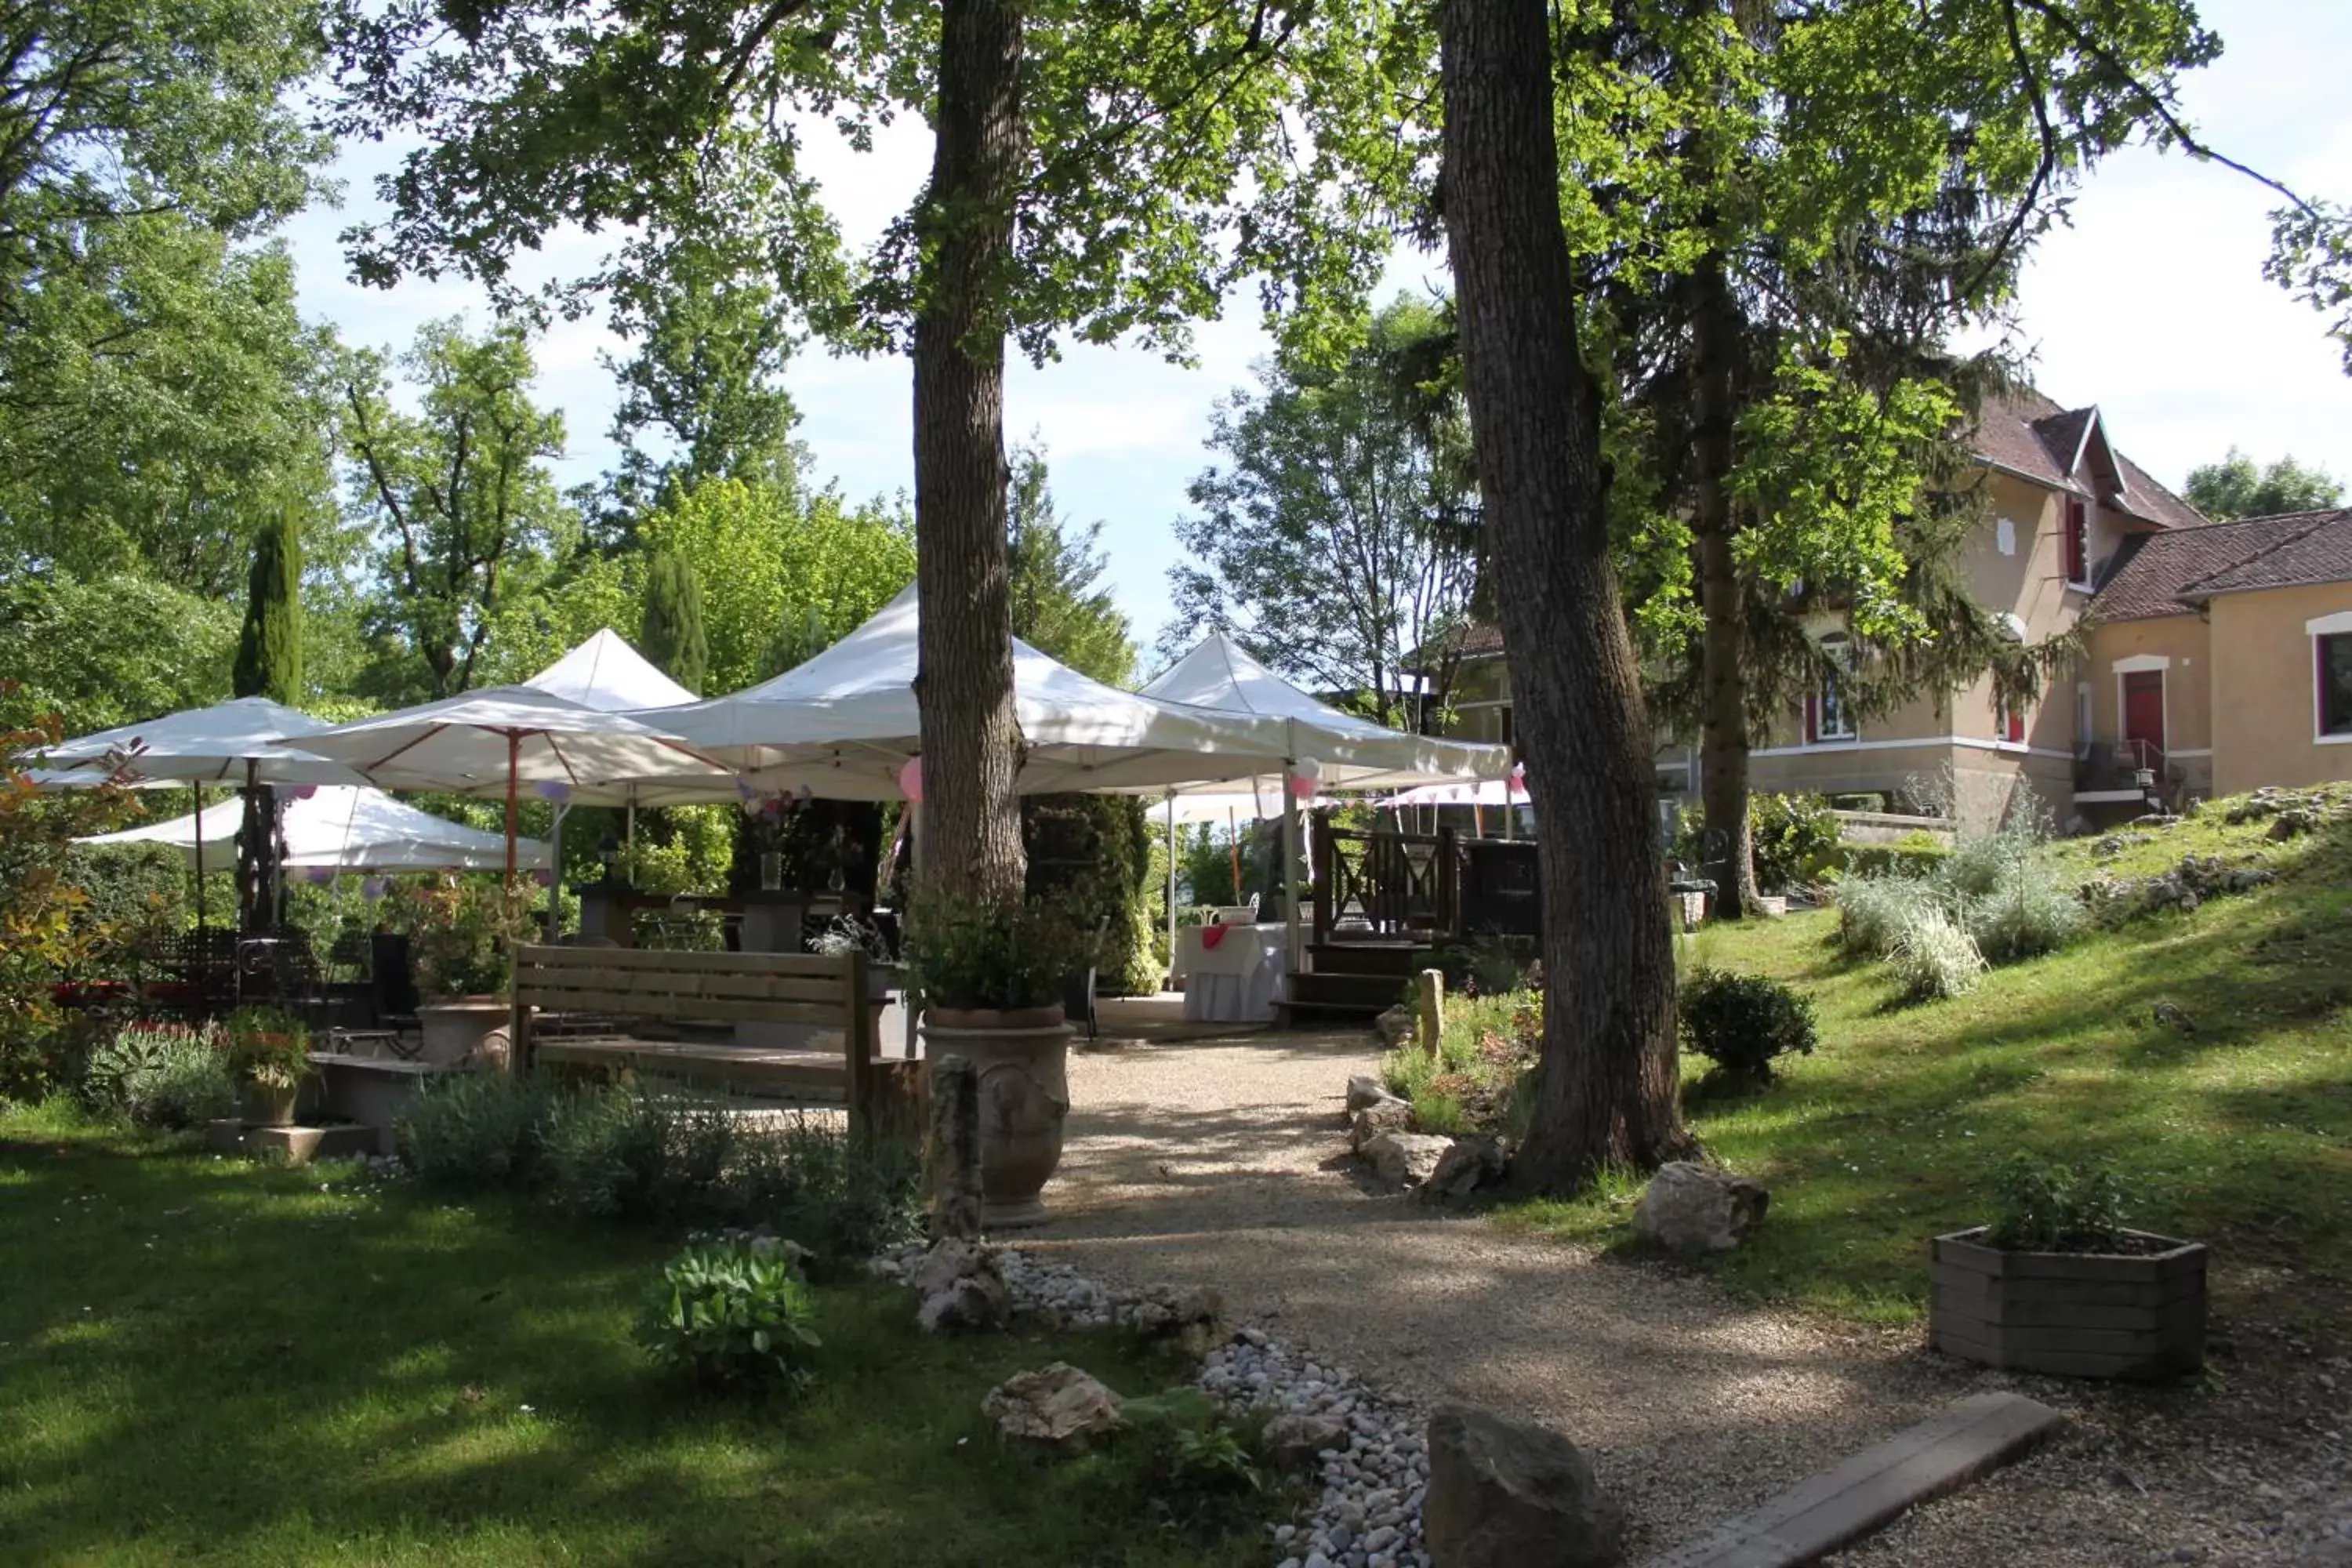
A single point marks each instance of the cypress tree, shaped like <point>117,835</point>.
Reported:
<point>269,650</point>
<point>672,634</point>
<point>268,664</point>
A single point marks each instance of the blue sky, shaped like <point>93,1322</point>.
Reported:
<point>2151,303</point>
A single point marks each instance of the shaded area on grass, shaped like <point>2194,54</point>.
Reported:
<point>2229,1118</point>
<point>208,1360</point>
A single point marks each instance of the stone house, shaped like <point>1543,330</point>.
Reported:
<point>2216,655</point>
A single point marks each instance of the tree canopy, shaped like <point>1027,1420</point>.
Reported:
<point>2236,487</point>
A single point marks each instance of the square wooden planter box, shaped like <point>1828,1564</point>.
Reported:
<point>2070,1314</point>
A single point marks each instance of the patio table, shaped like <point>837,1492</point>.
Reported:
<point>1238,980</point>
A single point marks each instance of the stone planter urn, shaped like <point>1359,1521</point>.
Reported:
<point>465,1031</point>
<point>2138,1311</point>
<point>264,1105</point>
<point>1021,1060</point>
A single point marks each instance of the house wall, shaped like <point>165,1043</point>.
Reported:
<point>2184,642</point>
<point>2262,680</point>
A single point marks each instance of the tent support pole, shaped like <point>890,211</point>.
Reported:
<point>1290,857</point>
<point>196,793</point>
<point>1171,886</point>
<point>555,881</point>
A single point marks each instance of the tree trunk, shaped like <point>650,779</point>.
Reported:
<point>1606,1094</point>
<point>963,681</point>
<point>1723,646</point>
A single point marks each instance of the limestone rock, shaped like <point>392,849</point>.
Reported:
<point>1405,1159</point>
<point>1056,1405</point>
<point>1692,1208</point>
<point>1294,1442</point>
<point>1507,1494</point>
<point>959,1286</point>
<point>1364,1092</point>
<point>1386,1116</point>
<point>1466,1167</point>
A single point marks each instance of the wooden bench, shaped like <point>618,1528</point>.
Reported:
<point>595,994</point>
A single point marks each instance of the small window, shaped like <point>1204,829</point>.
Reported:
<point>2083,720</point>
<point>2004,536</point>
<point>1827,718</point>
<point>2335,683</point>
<point>2007,721</point>
<point>2077,543</point>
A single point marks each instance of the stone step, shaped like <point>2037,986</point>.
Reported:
<point>1839,1505</point>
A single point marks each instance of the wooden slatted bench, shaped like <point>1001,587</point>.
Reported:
<point>615,987</point>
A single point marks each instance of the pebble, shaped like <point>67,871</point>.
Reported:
<point>1369,1512</point>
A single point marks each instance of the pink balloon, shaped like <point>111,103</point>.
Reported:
<point>304,792</point>
<point>1302,788</point>
<point>910,779</point>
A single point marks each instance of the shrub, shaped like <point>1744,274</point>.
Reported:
<point>474,1130</point>
<point>1935,957</point>
<point>847,1198</point>
<point>1795,840</point>
<point>1488,965</point>
<point>1743,1023</point>
<point>2029,911</point>
<point>269,1045</point>
<point>1874,912</point>
<point>734,1313</point>
<point>1916,854</point>
<point>963,953</point>
<point>160,1075</point>
<point>605,1150</point>
<point>2043,1207</point>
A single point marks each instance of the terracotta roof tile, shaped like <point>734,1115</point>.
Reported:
<point>2154,575</point>
<point>2310,547</point>
<point>2028,434</point>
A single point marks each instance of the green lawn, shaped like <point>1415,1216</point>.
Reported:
<point>208,1360</point>
<point>2237,1131</point>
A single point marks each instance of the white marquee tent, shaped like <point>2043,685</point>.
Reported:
<point>343,829</point>
<point>845,723</point>
<point>608,674</point>
<point>1349,752</point>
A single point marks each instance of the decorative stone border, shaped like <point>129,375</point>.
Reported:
<point>1375,1471</point>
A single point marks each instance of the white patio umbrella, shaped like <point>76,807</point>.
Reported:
<point>494,740</point>
<point>239,743</point>
<point>343,829</point>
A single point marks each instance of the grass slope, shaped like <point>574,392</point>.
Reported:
<point>209,1361</point>
<point>2236,1130</point>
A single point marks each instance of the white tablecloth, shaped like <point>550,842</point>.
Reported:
<point>1239,980</point>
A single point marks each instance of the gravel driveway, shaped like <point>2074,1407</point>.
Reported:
<point>1221,1163</point>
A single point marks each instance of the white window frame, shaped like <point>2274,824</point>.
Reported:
<point>1839,650</point>
<point>2338,624</point>
<point>2085,720</point>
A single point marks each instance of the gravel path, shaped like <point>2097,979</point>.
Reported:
<point>1221,1163</point>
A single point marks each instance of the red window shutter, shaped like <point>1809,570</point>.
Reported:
<point>1813,716</point>
<point>2078,551</point>
<point>2017,725</point>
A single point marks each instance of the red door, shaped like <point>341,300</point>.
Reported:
<point>2144,717</point>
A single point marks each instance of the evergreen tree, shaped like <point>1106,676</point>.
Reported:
<point>269,650</point>
<point>672,636</point>
<point>268,664</point>
<point>1059,603</point>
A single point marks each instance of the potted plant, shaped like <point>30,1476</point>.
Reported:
<point>2056,1283</point>
<point>992,983</point>
<point>459,933</point>
<point>270,1051</point>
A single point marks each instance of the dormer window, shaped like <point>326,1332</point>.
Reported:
<point>2076,543</point>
